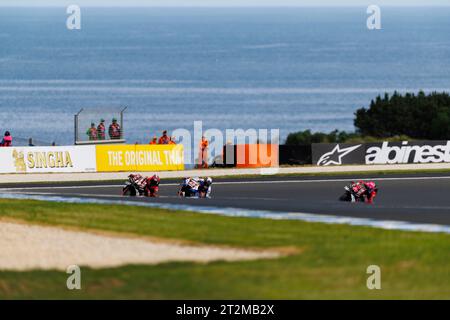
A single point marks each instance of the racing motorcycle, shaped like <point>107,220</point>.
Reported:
<point>137,184</point>
<point>360,192</point>
<point>189,188</point>
<point>195,188</point>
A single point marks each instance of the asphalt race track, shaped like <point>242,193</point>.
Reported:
<point>421,198</point>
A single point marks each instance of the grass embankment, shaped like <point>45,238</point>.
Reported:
<point>330,262</point>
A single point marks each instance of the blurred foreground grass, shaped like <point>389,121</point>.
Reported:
<point>330,260</point>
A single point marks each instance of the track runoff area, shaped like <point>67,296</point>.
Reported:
<point>418,202</point>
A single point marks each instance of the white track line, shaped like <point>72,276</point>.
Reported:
<point>236,212</point>
<point>137,197</point>
<point>83,195</point>
<point>93,196</point>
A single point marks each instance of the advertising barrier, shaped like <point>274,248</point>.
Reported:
<point>325,154</point>
<point>139,158</point>
<point>295,154</point>
<point>287,155</point>
<point>100,158</point>
<point>228,159</point>
<point>47,159</point>
<point>116,158</point>
<point>404,152</point>
<point>256,155</point>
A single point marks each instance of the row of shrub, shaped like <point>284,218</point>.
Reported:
<point>391,118</point>
<point>336,136</point>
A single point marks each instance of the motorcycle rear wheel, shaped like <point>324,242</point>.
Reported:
<point>129,190</point>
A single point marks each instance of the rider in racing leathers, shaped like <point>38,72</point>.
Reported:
<point>365,191</point>
<point>145,186</point>
<point>152,186</point>
<point>371,191</point>
<point>196,187</point>
<point>205,187</point>
<point>138,182</point>
<point>189,187</point>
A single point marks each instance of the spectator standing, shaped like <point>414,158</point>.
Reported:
<point>203,154</point>
<point>164,139</point>
<point>101,130</point>
<point>154,140</point>
<point>114,130</point>
<point>7,140</point>
<point>92,132</point>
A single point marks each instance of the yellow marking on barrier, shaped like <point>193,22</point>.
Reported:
<point>115,158</point>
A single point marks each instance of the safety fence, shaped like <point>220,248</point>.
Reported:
<point>100,158</point>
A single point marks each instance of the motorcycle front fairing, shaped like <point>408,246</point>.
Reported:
<point>350,197</point>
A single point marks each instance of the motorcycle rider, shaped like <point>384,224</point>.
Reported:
<point>145,186</point>
<point>196,187</point>
<point>152,186</point>
<point>138,182</point>
<point>364,191</point>
<point>358,189</point>
<point>189,187</point>
<point>205,187</point>
<point>371,191</point>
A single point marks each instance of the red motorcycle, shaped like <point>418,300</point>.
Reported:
<point>144,186</point>
<point>360,192</point>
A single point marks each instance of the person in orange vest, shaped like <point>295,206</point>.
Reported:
<point>101,129</point>
<point>164,139</point>
<point>172,140</point>
<point>203,158</point>
<point>92,132</point>
<point>114,130</point>
<point>154,140</point>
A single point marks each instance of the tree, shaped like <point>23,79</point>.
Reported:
<point>418,116</point>
<point>306,137</point>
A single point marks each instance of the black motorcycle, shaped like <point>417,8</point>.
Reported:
<point>350,195</point>
<point>131,188</point>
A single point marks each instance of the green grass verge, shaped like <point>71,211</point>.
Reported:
<point>330,264</point>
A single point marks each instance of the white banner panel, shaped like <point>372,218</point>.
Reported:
<point>47,159</point>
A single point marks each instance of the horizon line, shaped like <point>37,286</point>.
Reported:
<point>223,6</point>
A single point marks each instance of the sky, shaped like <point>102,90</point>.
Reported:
<point>227,3</point>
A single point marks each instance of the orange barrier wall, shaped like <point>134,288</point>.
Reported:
<point>256,155</point>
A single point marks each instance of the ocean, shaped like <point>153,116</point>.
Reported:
<point>285,68</point>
